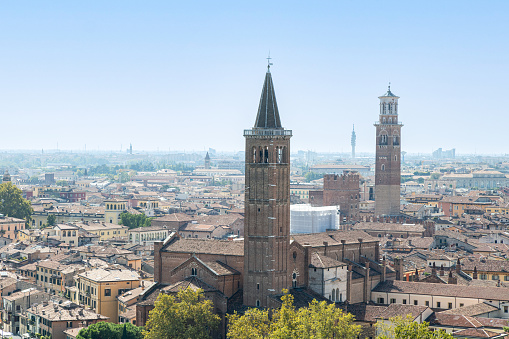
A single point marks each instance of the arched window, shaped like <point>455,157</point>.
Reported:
<point>333,294</point>
<point>383,167</point>
<point>279,155</point>
<point>194,271</point>
<point>254,155</point>
<point>266,155</point>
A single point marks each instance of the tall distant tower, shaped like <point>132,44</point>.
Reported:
<point>267,202</point>
<point>354,140</point>
<point>388,157</point>
<point>207,161</point>
<point>130,148</point>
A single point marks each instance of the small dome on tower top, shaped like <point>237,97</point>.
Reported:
<point>389,93</point>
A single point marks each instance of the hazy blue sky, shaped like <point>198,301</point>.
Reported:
<point>188,74</point>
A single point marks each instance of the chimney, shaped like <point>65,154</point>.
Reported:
<point>384,270</point>
<point>360,247</point>
<point>452,280</point>
<point>474,275</point>
<point>349,284</point>
<point>409,242</point>
<point>398,267</point>
<point>434,269</point>
<point>325,244</point>
<point>416,277</point>
<point>366,296</point>
<point>442,273</point>
<point>343,242</point>
<point>458,266</point>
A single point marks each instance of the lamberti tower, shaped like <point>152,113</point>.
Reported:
<point>388,157</point>
<point>267,202</point>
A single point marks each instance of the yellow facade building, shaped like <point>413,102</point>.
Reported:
<point>104,230</point>
<point>99,289</point>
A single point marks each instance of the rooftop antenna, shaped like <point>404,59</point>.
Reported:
<point>269,63</point>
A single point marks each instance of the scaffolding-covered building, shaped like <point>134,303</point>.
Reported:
<point>305,218</point>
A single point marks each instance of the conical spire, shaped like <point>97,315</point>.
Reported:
<point>268,114</point>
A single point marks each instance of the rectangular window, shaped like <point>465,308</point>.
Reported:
<point>438,304</point>
<point>393,300</point>
<point>404,301</point>
<point>449,305</point>
<point>416,302</point>
<point>107,292</point>
<point>461,305</point>
<point>380,300</point>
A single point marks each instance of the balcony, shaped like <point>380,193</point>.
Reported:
<point>267,132</point>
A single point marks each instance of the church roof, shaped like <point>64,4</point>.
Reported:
<point>268,113</point>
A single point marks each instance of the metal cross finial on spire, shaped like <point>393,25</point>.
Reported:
<point>389,86</point>
<point>269,63</point>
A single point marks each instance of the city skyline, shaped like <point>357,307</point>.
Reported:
<point>180,77</point>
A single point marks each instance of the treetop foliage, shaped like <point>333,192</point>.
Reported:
<point>406,328</point>
<point>103,329</point>
<point>188,315</point>
<point>319,320</point>
<point>13,204</point>
<point>134,220</point>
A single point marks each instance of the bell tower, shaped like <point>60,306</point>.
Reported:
<point>267,202</point>
<point>388,157</point>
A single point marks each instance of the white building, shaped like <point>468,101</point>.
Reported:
<point>147,235</point>
<point>308,219</point>
<point>328,277</point>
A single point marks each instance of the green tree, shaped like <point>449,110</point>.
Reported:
<point>317,321</point>
<point>13,204</point>
<point>435,176</point>
<point>108,330</point>
<point>51,220</point>
<point>134,220</point>
<point>310,176</point>
<point>406,328</point>
<point>185,316</point>
<point>61,183</point>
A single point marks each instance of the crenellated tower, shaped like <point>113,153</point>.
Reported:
<point>388,157</point>
<point>267,202</point>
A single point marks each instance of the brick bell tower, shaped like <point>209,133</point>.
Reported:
<point>388,157</point>
<point>267,202</point>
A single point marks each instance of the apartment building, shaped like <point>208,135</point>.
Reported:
<point>53,318</point>
<point>99,288</point>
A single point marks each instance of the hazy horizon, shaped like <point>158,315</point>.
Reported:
<point>188,76</point>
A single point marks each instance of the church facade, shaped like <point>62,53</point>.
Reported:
<point>339,266</point>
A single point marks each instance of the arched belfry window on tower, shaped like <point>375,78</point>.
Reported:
<point>279,151</point>
<point>266,155</point>
<point>395,140</point>
<point>260,157</point>
<point>254,155</point>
